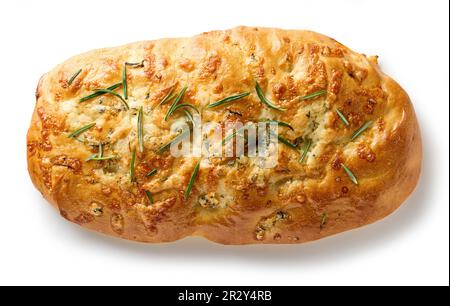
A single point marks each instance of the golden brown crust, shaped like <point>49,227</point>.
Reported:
<point>231,202</point>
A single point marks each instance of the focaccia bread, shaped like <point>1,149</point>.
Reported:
<point>352,151</point>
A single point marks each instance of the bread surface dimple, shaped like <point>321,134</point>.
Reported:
<point>233,201</point>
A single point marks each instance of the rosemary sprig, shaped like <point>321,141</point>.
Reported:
<point>167,98</point>
<point>306,148</point>
<point>231,136</point>
<point>264,100</point>
<point>191,181</point>
<point>364,127</point>
<point>149,196</point>
<point>140,129</point>
<point>280,123</point>
<point>80,130</point>
<point>350,174</point>
<point>73,77</point>
<point>176,140</point>
<point>313,95</point>
<point>151,173</point>
<point>343,118</point>
<point>133,160</point>
<point>175,103</point>
<point>229,99</point>
<point>97,94</point>
<point>107,91</point>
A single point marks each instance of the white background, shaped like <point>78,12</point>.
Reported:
<point>409,247</point>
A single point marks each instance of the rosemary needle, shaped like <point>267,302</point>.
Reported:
<point>138,64</point>
<point>350,174</point>
<point>185,105</point>
<point>140,128</point>
<point>124,76</point>
<point>231,136</point>
<point>343,118</point>
<point>191,181</point>
<point>80,130</point>
<point>229,99</point>
<point>306,148</point>
<point>133,159</point>
<point>189,116</point>
<point>167,97</point>
<point>314,94</point>
<point>287,143</point>
<point>97,94</point>
<point>264,100</point>
<point>124,82</point>
<point>100,150</point>
<point>74,76</point>
<point>358,132</point>
<point>176,140</point>
<point>280,123</point>
<point>175,103</point>
<point>149,196</point>
<point>107,91</point>
<point>95,157</point>
<point>151,173</point>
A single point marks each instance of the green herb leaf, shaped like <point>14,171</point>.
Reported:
<point>124,82</point>
<point>288,143</point>
<point>350,174</point>
<point>191,181</point>
<point>364,127</point>
<point>74,76</point>
<point>341,115</point>
<point>80,130</point>
<point>148,194</point>
<point>176,140</point>
<point>124,76</point>
<point>140,128</point>
<point>96,157</point>
<point>185,105</point>
<point>167,98</point>
<point>280,123</point>
<point>306,148</point>
<point>231,136</point>
<point>189,116</point>
<point>100,150</point>
<point>107,91</point>
<point>133,160</point>
<point>314,94</point>
<point>264,100</point>
<point>175,103</point>
<point>139,64</point>
<point>97,94</point>
<point>151,173</point>
<point>229,99</point>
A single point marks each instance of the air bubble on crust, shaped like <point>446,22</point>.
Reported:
<point>96,209</point>
<point>117,223</point>
<point>268,223</point>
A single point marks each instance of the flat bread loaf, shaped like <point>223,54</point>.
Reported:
<point>348,146</point>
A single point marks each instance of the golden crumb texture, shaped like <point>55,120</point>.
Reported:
<point>339,184</point>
